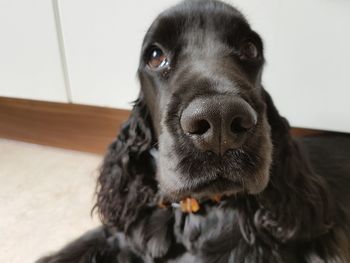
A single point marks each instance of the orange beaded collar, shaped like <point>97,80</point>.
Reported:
<point>188,204</point>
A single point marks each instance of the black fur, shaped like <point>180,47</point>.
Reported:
<point>284,208</point>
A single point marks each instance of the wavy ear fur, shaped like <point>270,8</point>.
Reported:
<point>297,203</point>
<point>126,182</point>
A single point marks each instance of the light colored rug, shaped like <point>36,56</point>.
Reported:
<point>46,195</point>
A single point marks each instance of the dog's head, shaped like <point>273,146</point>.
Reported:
<point>202,126</point>
<point>201,108</point>
<point>200,73</point>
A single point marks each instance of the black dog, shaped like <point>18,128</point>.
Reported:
<point>205,169</point>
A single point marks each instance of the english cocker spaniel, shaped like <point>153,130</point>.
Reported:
<point>205,169</point>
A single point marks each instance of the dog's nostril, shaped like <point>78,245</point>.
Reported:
<point>200,127</point>
<point>238,125</point>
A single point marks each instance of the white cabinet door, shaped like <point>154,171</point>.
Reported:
<point>102,42</point>
<point>30,64</point>
<point>306,41</point>
<point>307,47</point>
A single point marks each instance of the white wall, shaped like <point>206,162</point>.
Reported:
<point>307,50</point>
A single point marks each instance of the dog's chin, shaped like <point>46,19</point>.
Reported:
<point>178,189</point>
<point>225,178</point>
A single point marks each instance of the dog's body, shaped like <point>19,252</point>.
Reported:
<point>215,234</point>
<point>204,126</point>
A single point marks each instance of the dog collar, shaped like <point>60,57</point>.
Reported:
<point>189,204</point>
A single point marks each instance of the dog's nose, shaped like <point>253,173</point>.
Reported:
<point>218,123</point>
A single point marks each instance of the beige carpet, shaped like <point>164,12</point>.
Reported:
<point>46,195</point>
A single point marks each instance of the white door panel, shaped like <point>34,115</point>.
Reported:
<point>30,64</point>
<point>103,41</point>
<point>307,53</point>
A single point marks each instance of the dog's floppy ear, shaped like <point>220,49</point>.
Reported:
<point>279,125</point>
<point>297,198</point>
<point>126,182</point>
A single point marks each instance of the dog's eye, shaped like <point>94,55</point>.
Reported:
<point>156,58</point>
<point>249,51</point>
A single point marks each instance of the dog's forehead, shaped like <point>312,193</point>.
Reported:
<point>192,21</point>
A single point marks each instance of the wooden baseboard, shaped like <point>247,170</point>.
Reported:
<point>70,126</point>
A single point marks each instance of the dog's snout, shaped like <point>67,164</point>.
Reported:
<point>218,123</point>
